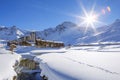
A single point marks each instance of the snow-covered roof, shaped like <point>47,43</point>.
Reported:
<point>50,41</point>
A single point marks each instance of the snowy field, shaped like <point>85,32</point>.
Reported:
<point>7,61</point>
<point>75,63</point>
<point>78,63</point>
<point>81,63</point>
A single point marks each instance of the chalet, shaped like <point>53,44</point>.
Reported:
<point>24,38</point>
<point>48,43</point>
<point>27,40</point>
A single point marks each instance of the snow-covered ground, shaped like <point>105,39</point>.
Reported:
<point>7,61</point>
<point>80,63</point>
<point>99,62</point>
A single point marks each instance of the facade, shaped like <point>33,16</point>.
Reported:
<point>30,38</point>
<point>47,43</point>
<point>25,38</point>
<point>33,36</point>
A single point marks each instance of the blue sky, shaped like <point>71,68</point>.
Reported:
<point>42,14</point>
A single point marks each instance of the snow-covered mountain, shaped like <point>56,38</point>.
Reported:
<point>10,33</point>
<point>110,34</point>
<point>69,33</point>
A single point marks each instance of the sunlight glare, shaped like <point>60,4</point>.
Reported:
<point>90,19</point>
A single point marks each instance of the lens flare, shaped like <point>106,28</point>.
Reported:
<point>108,9</point>
<point>103,11</point>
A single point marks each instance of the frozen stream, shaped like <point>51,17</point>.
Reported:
<point>28,69</point>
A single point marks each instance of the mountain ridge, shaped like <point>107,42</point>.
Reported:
<point>68,32</point>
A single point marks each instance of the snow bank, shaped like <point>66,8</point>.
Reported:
<point>7,61</point>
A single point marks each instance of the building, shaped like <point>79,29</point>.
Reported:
<point>30,40</point>
<point>48,43</point>
<point>33,36</point>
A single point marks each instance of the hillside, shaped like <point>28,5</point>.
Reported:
<point>10,33</point>
<point>111,34</point>
<point>69,33</point>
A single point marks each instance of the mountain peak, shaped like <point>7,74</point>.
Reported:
<point>116,24</point>
<point>117,20</point>
<point>65,25</point>
<point>14,27</point>
<point>68,24</point>
<point>10,33</point>
<point>68,32</point>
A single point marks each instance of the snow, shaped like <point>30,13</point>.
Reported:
<point>69,33</point>
<point>7,61</point>
<point>66,32</point>
<point>81,63</point>
<point>50,41</point>
<point>10,33</point>
<point>95,61</point>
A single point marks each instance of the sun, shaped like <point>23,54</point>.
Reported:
<point>90,19</point>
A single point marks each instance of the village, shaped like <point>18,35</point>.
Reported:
<point>32,40</point>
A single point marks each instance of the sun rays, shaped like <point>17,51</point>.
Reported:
<point>89,18</point>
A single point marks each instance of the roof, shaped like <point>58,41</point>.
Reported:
<point>50,41</point>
